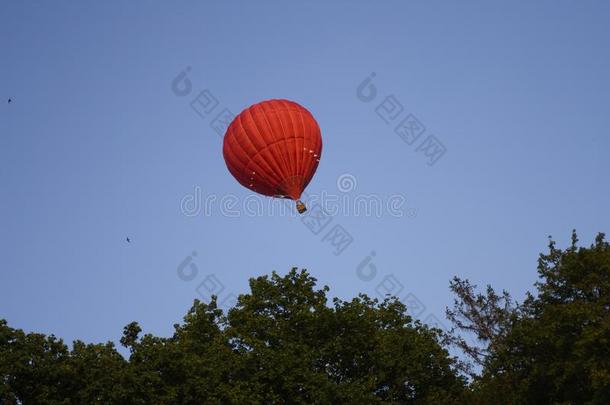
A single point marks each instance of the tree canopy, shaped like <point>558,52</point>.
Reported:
<point>286,342</point>
<point>553,348</point>
<point>282,343</point>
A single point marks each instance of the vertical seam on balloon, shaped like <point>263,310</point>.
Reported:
<point>285,159</point>
<point>304,151</point>
<point>293,167</point>
<point>242,178</point>
<point>231,151</point>
<point>295,115</point>
<point>307,168</point>
<point>301,165</point>
<point>312,164</point>
<point>274,176</point>
<point>265,148</point>
<point>269,148</point>
<point>295,180</point>
<point>276,149</point>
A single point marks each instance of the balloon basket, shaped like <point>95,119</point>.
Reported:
<point>301,207</point>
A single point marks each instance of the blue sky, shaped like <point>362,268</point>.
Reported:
<point>96,147</point>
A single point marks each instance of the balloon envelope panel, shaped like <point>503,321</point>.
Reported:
<point>273,148</point>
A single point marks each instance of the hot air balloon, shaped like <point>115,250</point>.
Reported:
<point>273,148</point>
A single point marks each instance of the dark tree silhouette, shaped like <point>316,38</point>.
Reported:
<point>282,343</point>
<point>554,348</point>
<point>285,343</point>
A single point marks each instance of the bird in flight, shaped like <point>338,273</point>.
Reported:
<point>10,100</point>
<point>128,240</point>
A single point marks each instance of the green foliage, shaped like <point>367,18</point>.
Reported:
<point>361,351</point>
<point>554,348</point>
<point>285,343</point>
<point>35,369</point>
<point>282,343</point>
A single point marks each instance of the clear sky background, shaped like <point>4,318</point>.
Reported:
<point>96,147</point>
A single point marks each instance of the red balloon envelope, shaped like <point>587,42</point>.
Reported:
<point>273,148</point>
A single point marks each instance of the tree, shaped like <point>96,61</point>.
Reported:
<point>284,342</point>
<point>554,348</point>
<point>36,369</point>
<point>281,343</point>
<point>485,316</point>
<point>358,351</point>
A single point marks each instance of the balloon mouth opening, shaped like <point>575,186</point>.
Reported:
<point>300,205</point>
<point>291,187</point>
